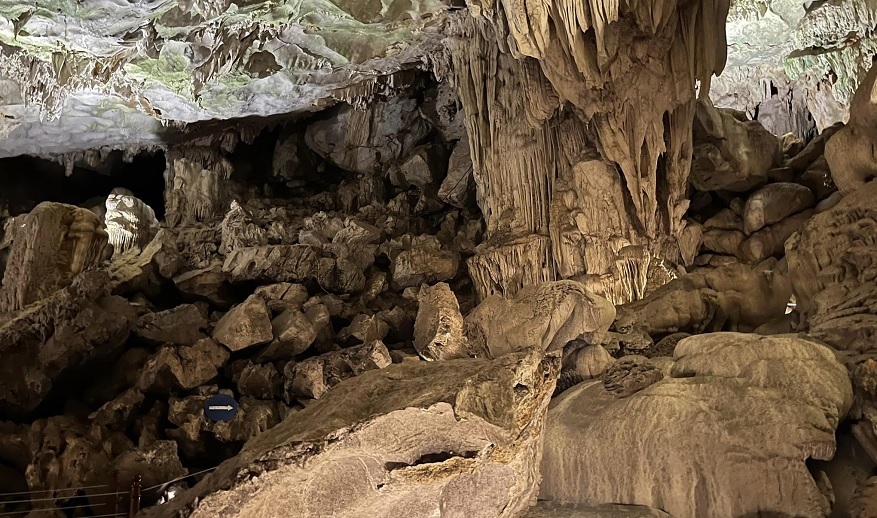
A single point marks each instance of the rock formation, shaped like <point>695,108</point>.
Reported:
<point>385,235</point>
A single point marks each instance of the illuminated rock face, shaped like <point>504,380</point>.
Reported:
<point>129,80</point>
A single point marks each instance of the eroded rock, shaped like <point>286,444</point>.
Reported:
<point>245,325</point>
<point>396,452</point>
<point>601,449</point>
<point>438,329</point>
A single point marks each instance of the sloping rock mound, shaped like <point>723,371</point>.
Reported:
<point>418,439</point>
<point>726,435</point>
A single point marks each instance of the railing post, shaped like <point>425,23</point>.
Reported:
<point>113,503</point>
<point>135,497</point>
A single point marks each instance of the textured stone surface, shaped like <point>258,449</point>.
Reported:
<point>395,452</point>
<point>190,62</point>
<point>547,316</point>
<point>181,325</point>
<point>52,244</point>
<point>245,325</point>
<point>746,455</point>
<point>438,329</point>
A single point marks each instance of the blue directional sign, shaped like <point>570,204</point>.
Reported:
<point>221,407</point>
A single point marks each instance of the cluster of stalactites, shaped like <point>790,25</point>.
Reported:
<point>543,83</point>
<point>194,181</point>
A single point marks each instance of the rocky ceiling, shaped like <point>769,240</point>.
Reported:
<point>83,74</point>
<point>826,45</point>
<point>80,75</point>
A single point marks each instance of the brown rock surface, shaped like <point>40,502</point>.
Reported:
<point>746,454</point>
<point>438,329</point>
<point>374,450</point>
<point>546,315</point>
<point>245,325</point>
<point>774,203</point>
<point>181,325</point>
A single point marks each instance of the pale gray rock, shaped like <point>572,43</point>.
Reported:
<point>293,334</point>
<point>773,203</point>
<point>457,187</point>
<point>547,316</point>
<point>746,455</point>
<point>367,140</point>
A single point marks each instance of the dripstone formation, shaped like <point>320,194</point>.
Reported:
<point>481,259</point>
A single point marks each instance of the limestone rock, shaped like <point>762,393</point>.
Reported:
<point>53,243</point>
<point>261,381</point>
<point>835,299</point>
<point>850,151</point>
<point>245,325</point>
<point>293,333</point>
<point>546,509</point>
<point>725,219</point>
<point>813,151</point>
<point>729,154</point>
<point>73,326</point>
<point>364,329</point>
<point>818,179</point>
<point>629,375</point>
<point>747,454</point>
<point>438,329</point>
<point>283,295</point>
<point>367,140</point>
<point>546,316</point>
<point>130,222</point>
<point>254,417</point>
<point>184,366</point>
<point>313,377</point>
<point>241,230</point>
<point>456,189</point>
<point>181,325</point>
<point>340,271</point>
<point>773,203</point>
<point>423,169</point>
<point>723,241</point>
<point>422,265</point>
<point>730,296</point>
<point>209,284</point>
<point>156,463</point>
<point>770,241</point>
<point>582,364</point>
<point>65,453</point>
<point>396,452</point>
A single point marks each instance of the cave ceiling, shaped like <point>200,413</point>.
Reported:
<point>77,75</point>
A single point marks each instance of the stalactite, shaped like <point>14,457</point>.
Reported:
<point>627,71</point>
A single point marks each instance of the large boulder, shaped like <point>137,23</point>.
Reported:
<point>547,315</point>
<point>245,325</point>
<point>462,438</point>
<point>773,203</point>
<point>832,263</point>
<point>50,246</point>
<point>727,434</point>
<point>438,329</point>
<point>851,153</point>
<point>729,154</point>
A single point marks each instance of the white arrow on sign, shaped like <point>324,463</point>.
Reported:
<point>227,408</point>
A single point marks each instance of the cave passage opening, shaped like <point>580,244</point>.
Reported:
<point>26,181</point>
